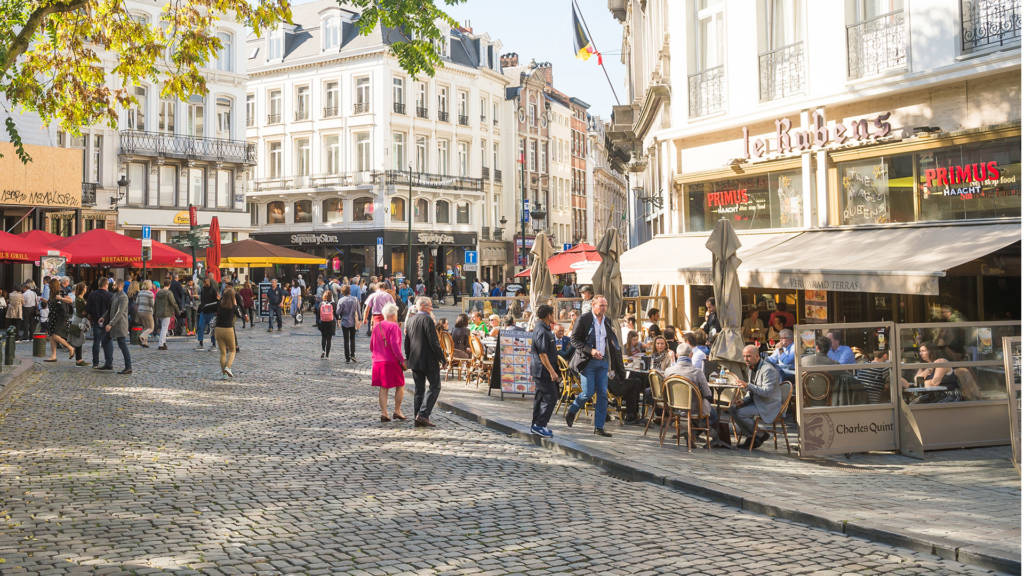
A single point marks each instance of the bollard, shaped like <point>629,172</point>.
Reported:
<point>3,347</point>
<point>12,342</point>
<point>39,344</point>
<point>136,332</point>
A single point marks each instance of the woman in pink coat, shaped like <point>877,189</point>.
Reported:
<point>388,361</point>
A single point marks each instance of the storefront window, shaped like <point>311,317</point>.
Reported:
<point>275,212</point>
<point>304,211</point>
<point>362,209</point>
<point>877,190</point>
<point>771,200</point>
<point>972,181</point>
<point>333,210</point>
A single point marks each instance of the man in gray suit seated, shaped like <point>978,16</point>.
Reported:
<point>764,398</point>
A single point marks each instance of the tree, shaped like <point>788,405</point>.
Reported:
<point>73,61</point>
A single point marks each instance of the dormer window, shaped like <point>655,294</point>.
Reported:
<point>332,33</point>
<point>275,45</point>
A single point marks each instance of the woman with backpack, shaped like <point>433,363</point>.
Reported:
<point>326,323</point>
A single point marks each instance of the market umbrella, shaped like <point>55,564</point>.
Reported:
<point>15,248</point>
<point>213,252</point>
<point>256,254</point>
<point>723,244</point>
<point>541,281</point>
<point>165,256</point>
<point>524,273</point>
<point>101,247</point>
<point>607,280</point>
<point>44,238</point>
<point>582,252</point>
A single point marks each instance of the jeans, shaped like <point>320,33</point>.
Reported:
<point>100,339</point>
<point>275,313</point>
<point>544,400</point>
<point>433,375</point>
<point>190,320</point>
<point>165,323</point>
<point>349,335</point>
<point>122,343</point>
<point>204,319</point>
<point>594,380</point>
<point>743,415</point>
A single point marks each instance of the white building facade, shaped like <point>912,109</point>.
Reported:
<point>606,206</point>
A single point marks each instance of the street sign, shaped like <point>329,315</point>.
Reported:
<point>471,257</point>
<point>380,254</point>
<point>566,247</point>
<point>380,240</point>
<point>526,215</point>
<point>147,232</point>
<point>147,242</point>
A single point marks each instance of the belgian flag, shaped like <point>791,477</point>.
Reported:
<point>581,42</point>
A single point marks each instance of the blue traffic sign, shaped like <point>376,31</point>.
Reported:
<point>380,240</point>
<point>471,257</point>
<point>526,215</point>
<point>147,232</point>
<point>566,247</point>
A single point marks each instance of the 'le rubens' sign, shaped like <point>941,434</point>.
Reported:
<point>788,140</point>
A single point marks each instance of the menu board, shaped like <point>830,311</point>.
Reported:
<point>515,345</point>
<point>1011,362</point>
<point>815,306</point>
<point>263,303</point>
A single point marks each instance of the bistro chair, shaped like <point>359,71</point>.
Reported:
<point>455,364</point>
<point>570,388</point>
<point>480,367</point>
<point>657,382</point>
<point>787,396</point>
<point>817,388</point>
<point>681,394</point>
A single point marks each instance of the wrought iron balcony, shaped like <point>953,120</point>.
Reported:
<point>273,118</point>
<point>442,115</point>
<point>399,108</point>
<point>782,72</point>
<point>497,174</point>
<point>877,45</point>
<point>425,180</point>
<point>495,122</point>
<point>332,180</point>
<point>330,111</point>
<point>360,107</point>
<point>89,193</point>
<point>302,114</point>
<point>707,92</point>
<point>187,147</point>
<point>421,112</point>
<point>988,24</point>
<point>485,172</point>
<point>463,120</point>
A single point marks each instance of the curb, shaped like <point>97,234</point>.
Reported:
<point>10,380</point>
<point>987,559</point>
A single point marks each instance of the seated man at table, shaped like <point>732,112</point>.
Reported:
<point>875,380</point>
<point>563,344</point>
<point>764,398</point>
<point>783,354</point>
<point>477,324</point>
<point>697,356</point>
<point>822,346</point>
<point>838,352</point>
<point>684,367</point>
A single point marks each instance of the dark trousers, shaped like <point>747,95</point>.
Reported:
<point>28,320</point>
<point>122,343</point>
<point>275,313</point>
<point>100,339</point>
<point>325,341</point>
<point>349,335</point>
<point>419,378</point>
<point>544,400</point>
<point>629,390</point>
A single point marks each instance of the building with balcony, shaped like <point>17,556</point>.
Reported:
<point>839,134</point>
<point>353,153</point>
<point>607,185</point>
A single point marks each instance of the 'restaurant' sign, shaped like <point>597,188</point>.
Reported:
<point>787,140</point>
<point>53,179</point>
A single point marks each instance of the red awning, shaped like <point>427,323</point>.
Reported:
<point>102,247</point>
<point>582,252</point>
<point>44,238</point>
<point>14,248</point>
<point>524,274</point>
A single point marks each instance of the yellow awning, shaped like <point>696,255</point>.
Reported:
<point>266,261</point>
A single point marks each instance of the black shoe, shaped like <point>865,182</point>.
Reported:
<point>105,368</point>
<point>321,355</point>
<point>125,371</point>
<point>570,417</point>
<point>761,438</point>
<point>601,432</point>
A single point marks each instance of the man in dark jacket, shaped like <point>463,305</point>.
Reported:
<point>597,347</point>
<point>424,357</point>
<point>97,305</point>
<point>275,296</point>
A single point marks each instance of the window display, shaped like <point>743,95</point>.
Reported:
<point>770,200</point>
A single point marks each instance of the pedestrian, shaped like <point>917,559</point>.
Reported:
<point>224,329</point>
<point>144,302</point>
<point>165,307</point>
<point>3,310</point>
<point>116,326</point>
<point>326,323</point>
<point>247,304</point>
<point>79,322</point>
<point>275,298</point>
<point>296,305</point>
<point>375,303</point>
<point>191,308</point>
<point>543,359</point>
<point>29,306</point>
<point>423,349</point>
<point>597,351</point>
<point>348,315</point>
<point>97,306</point>
<point>208,299</point>
<point>14,309</point>
<point>388,362</point>
<point>60,319</point>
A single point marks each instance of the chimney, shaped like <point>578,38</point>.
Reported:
<point>509,60</point>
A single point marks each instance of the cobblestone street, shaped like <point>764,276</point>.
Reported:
<point>286,470</point>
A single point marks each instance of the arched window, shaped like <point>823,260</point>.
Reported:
<point>225,58</point>
<point>398,209</point>
<point>362,209</point>
<point>462,213</point>
<point>333,210</point>
<point>442,212</point>
<point>304,211</point>
<point>422,209</point>
<point>275,212</point>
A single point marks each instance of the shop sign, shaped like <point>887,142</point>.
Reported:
<point>840,432</point>
<point>314,239</point>
<point>181,218</point>
<point>434,238</point>
<point>964,180</point>
<point>788,140</point>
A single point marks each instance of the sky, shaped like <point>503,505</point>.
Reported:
<point>542,30</point>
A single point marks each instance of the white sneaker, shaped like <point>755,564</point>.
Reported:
<point>229,373</point>
<point>200,347</point>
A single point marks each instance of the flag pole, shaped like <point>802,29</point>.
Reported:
<point>605,70</point>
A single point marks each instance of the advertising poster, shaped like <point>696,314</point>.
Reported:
<point>815,306</point>
<point>515,362</point>
<point>262,302</point>
<point>53,265</point>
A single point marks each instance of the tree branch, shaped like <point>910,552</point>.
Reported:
<point>22,41</point>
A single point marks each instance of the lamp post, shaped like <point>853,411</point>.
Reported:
<point>408,218</point>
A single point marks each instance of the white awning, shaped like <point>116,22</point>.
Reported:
<point>684,259</point>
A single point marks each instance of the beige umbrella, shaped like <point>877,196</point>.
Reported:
<point>607,279</point>
<point>541,281</point>
<point>723,244</point>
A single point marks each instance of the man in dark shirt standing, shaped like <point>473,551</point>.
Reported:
<point>543,359</point>
<point>96,306</point>
<point>275,296</point>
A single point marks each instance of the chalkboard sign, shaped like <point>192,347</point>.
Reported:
<point>1011,363</point>
<point>263,301</point>
<point>515,345</point>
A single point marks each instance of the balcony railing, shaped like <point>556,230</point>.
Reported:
<point>988,24</point>
<point>463,120</point>
<point>302,114</point>
<point>422,112</point>
<point>707,92</point>
<point>485,172</point>
<point>497,174</point>
<point>399,108</point>
<point>273,118</point>
<point>877,45</point>
<point>426,180</point>
<point>332,180</point>
<point>442,115</point>
<point>495,122</point>
<point>360,107</point>
<point>89,193</point>
<point>330,111</point>
<point>187,147</point>
<point>782,72</point>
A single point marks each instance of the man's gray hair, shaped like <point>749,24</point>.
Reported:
<point>390,310</point>
<point>422,301</point>
<point>684,350</point>
<point>786,333</point>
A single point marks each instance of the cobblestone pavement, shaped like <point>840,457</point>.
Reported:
<point>285,470</point>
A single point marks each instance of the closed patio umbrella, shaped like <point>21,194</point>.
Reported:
<point>607,280</point>
<point>213,252</point>
<point>724,244</point>
<point>541,281</point>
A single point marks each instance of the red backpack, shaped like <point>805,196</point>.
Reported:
<point>327,312</point>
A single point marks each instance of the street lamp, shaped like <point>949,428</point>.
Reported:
<point>122,191</point>
<point>408,218</point>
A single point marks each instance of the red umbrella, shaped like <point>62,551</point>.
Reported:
<point>103,247</point>
<point>524,274</point>
<point>213,252</point>
<point>44,238</point>
<point>582,252</point>
<point>165,256</point>
<point>14,248</point>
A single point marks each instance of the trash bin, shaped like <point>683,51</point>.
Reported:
<point>136,332</point>
<point>12,342</point>
<point>39,344</point>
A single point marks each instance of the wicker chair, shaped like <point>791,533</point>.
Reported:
<point>787,397</point>
<point>657,382</point>
<point>817,388</point>
<point>455,364</point>
<point>480,365</point>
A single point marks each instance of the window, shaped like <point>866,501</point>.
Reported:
<point>398,93</point>
<point>483,154</point>
<point>876,41</point>
<point>706,85</point>
<point>398,209</point>
<point>442,212</point>
<point>362,209</point>
<point>274,107</point>
<point>254,213</point>
<point>332,154</point>
<point>363,152</point>
<point>543,156</point>
<point>168,184</point>
<point>223,118</point>
<point>332,33</point>
<point>225,181</point>
<point>483,110</point>
<point>533,114</point>
<point>988,24</point>
<point>462,213</point>
<point>362,95</point>
<point>442,102</point>
<point>331,99</point>
<point>303,211</point>
<point>533,156</point>
<point>422,208</point>
<point>463,159</point>
<point>196,186</point>
<point>136,183</point>
<point>275,45</point>
<point>463,107</point>
<point>496,164</point>
<point>137,115</point>
<point>195,112</point>
<point>275,169</point>
<point>332,210</point>
<point>96,166</point>
<point>398,151</point>
<point>165,116</point>
<point>250,109</point>
<point>770,200</point>
<point>302,103</point>
<point>421,154</point>
<point>275,212</point>
<point>443,159</point>
<point>225,57</point>
<point>494,114</point>
<point>302,157</point>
